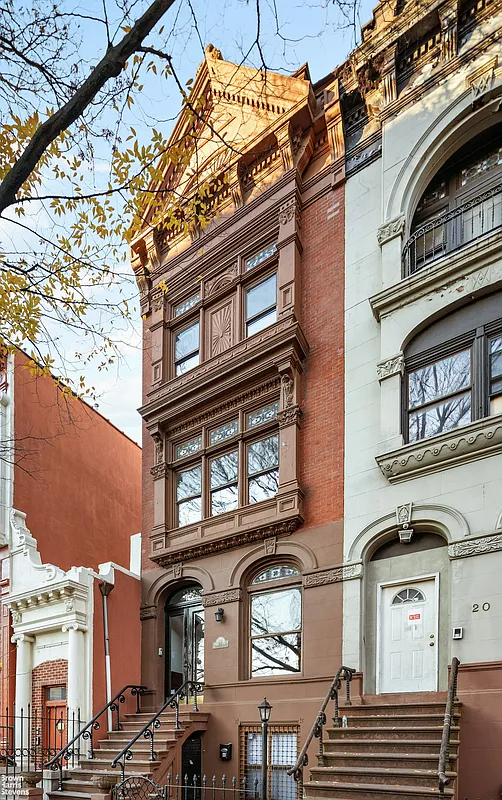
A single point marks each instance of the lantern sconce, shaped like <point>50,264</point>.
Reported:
<point>219,614</point>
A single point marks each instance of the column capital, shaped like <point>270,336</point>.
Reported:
<point>18,638</point>
<point>73,626</point>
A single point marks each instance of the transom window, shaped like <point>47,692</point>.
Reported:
<point>230,465</point>
<point>275,623</point>
<point>459,380</point>
<point>409,595</point>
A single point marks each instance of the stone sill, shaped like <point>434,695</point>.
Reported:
<point>472,258</point>
<point>281,514</point>
<point>477,440</point>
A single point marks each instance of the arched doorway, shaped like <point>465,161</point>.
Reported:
<point>184,642</point>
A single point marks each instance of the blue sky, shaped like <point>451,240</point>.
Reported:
<point>313,32</point>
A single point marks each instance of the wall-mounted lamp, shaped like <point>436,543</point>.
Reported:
<point>405,535</point>
<point>219,614</point>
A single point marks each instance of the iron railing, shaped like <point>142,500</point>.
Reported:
<point>29,737</point>
<point>178,787</point>
<point>343,674</point>
<point>70,752</point>
<point>187,690</point>
<point>454,229</point>
<point>444,753</point>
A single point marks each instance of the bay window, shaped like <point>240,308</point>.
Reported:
<point>228,465</point>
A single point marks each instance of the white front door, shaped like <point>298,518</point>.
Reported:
<point>408,630</point>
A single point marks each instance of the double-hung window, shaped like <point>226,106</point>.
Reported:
<point>186,348</point>
<point>282,752</point>
<point>457,380</point>
<point>229,465</point>
<point>261,305</point>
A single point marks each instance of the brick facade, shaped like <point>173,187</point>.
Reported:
<point>50,673</point>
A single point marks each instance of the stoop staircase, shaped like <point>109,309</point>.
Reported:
<point>388,747</point>
<point>388,750</point>
<point>92,776</point>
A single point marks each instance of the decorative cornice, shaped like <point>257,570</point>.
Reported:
<point>220,598</point>
<point>477,440</point>
<point>390,366</point>
<point>389,230</point>
<point>476,547</point>
<point>283,528</point>
<point>148,612</point>
<point>345,572</point>
<point>481,80</point>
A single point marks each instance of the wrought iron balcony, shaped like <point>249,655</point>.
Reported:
<point>454,229</point>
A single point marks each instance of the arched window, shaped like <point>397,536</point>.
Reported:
<point>275,621</point>
<point>454,370</point>
<point>409,595</point>
<point>461,203</point>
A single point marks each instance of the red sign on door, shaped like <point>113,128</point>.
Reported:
<point>413,616</point>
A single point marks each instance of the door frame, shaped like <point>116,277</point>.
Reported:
<point>182,609</point>
<point>402,582</point>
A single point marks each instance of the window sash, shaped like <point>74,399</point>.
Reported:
<point>181,359</point>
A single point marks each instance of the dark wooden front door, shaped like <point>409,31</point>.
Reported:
<point>184,649</point>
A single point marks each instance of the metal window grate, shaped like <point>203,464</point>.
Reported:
<point>282,755</point>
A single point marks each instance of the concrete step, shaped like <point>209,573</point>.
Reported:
<point>396,746</point>
<point>377,776</point>
<point>429,732</point>
<point>382,759</point>
<point>404,720</point>
<point>367,791</point>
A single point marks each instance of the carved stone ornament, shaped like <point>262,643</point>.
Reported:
<point>222,280</point>
<point>148,612</point>
<point>481,80</point>
<point>346,572</point>
<point>220,598</point>
<point>287,212</point>
<point>459,445</point>
<point>476,547</point>
<point>287,391</point>
<point>289,416</point>
<point>390,366</point>
<point>158,448</point>
<point>403,514</point>
<point>159,471</point>
<point>270,546</point>
<point>16,617</point>
<point>389,230</point>
<point>178,570</point>
<point>69,605</point>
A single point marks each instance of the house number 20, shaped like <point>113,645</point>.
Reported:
<point>485,607</point>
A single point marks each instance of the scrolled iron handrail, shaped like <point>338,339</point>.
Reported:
<point>443,778</point>
<point>448,216</point>
<point>316,731</point>
<point>86,734</point>
<point>148,730</point>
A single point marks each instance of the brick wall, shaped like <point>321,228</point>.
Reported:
<point>321,441</point>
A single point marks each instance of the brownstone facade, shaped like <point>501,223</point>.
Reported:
<point>274,381</point>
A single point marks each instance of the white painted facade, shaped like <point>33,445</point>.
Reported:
<point>454,483</point>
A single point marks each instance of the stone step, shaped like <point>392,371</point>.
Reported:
<point>88,775</point>
<point>397,746</point>
<point>104,765</point>
<point>382,759</point>
<point>404,720</point>
<point>404,699</point>
<point>377,776</point>
<point>69,795</point>
<point>184,713</point>
<point>385,709</point>
<point>428,732</point>
<point>84,786</point>
<point>109,754</point>
<point>368,791</point>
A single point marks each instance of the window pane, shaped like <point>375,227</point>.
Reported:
<point>188,482</point>
<point>273,612</point>
<point>275,655</point>
<point>224,432</point>
<point>440,417</point>
<point>263,454</point>
<point>261,297</point>
<point>262,322</point>
<point>261,256</point>
<point>224,469</point>
<point>440,379</point>
<point>262,415</point>
<point>56,693</point>
<point>189,448</point>
<point>224,500</point>
<point>190,511</point>
<point>274,573</point>
<point>264,486</point>
<point>190,303</point>
<point>284,750</point>
<point>187,364</point>
<point>186,342</point>
<point>496,365</point>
